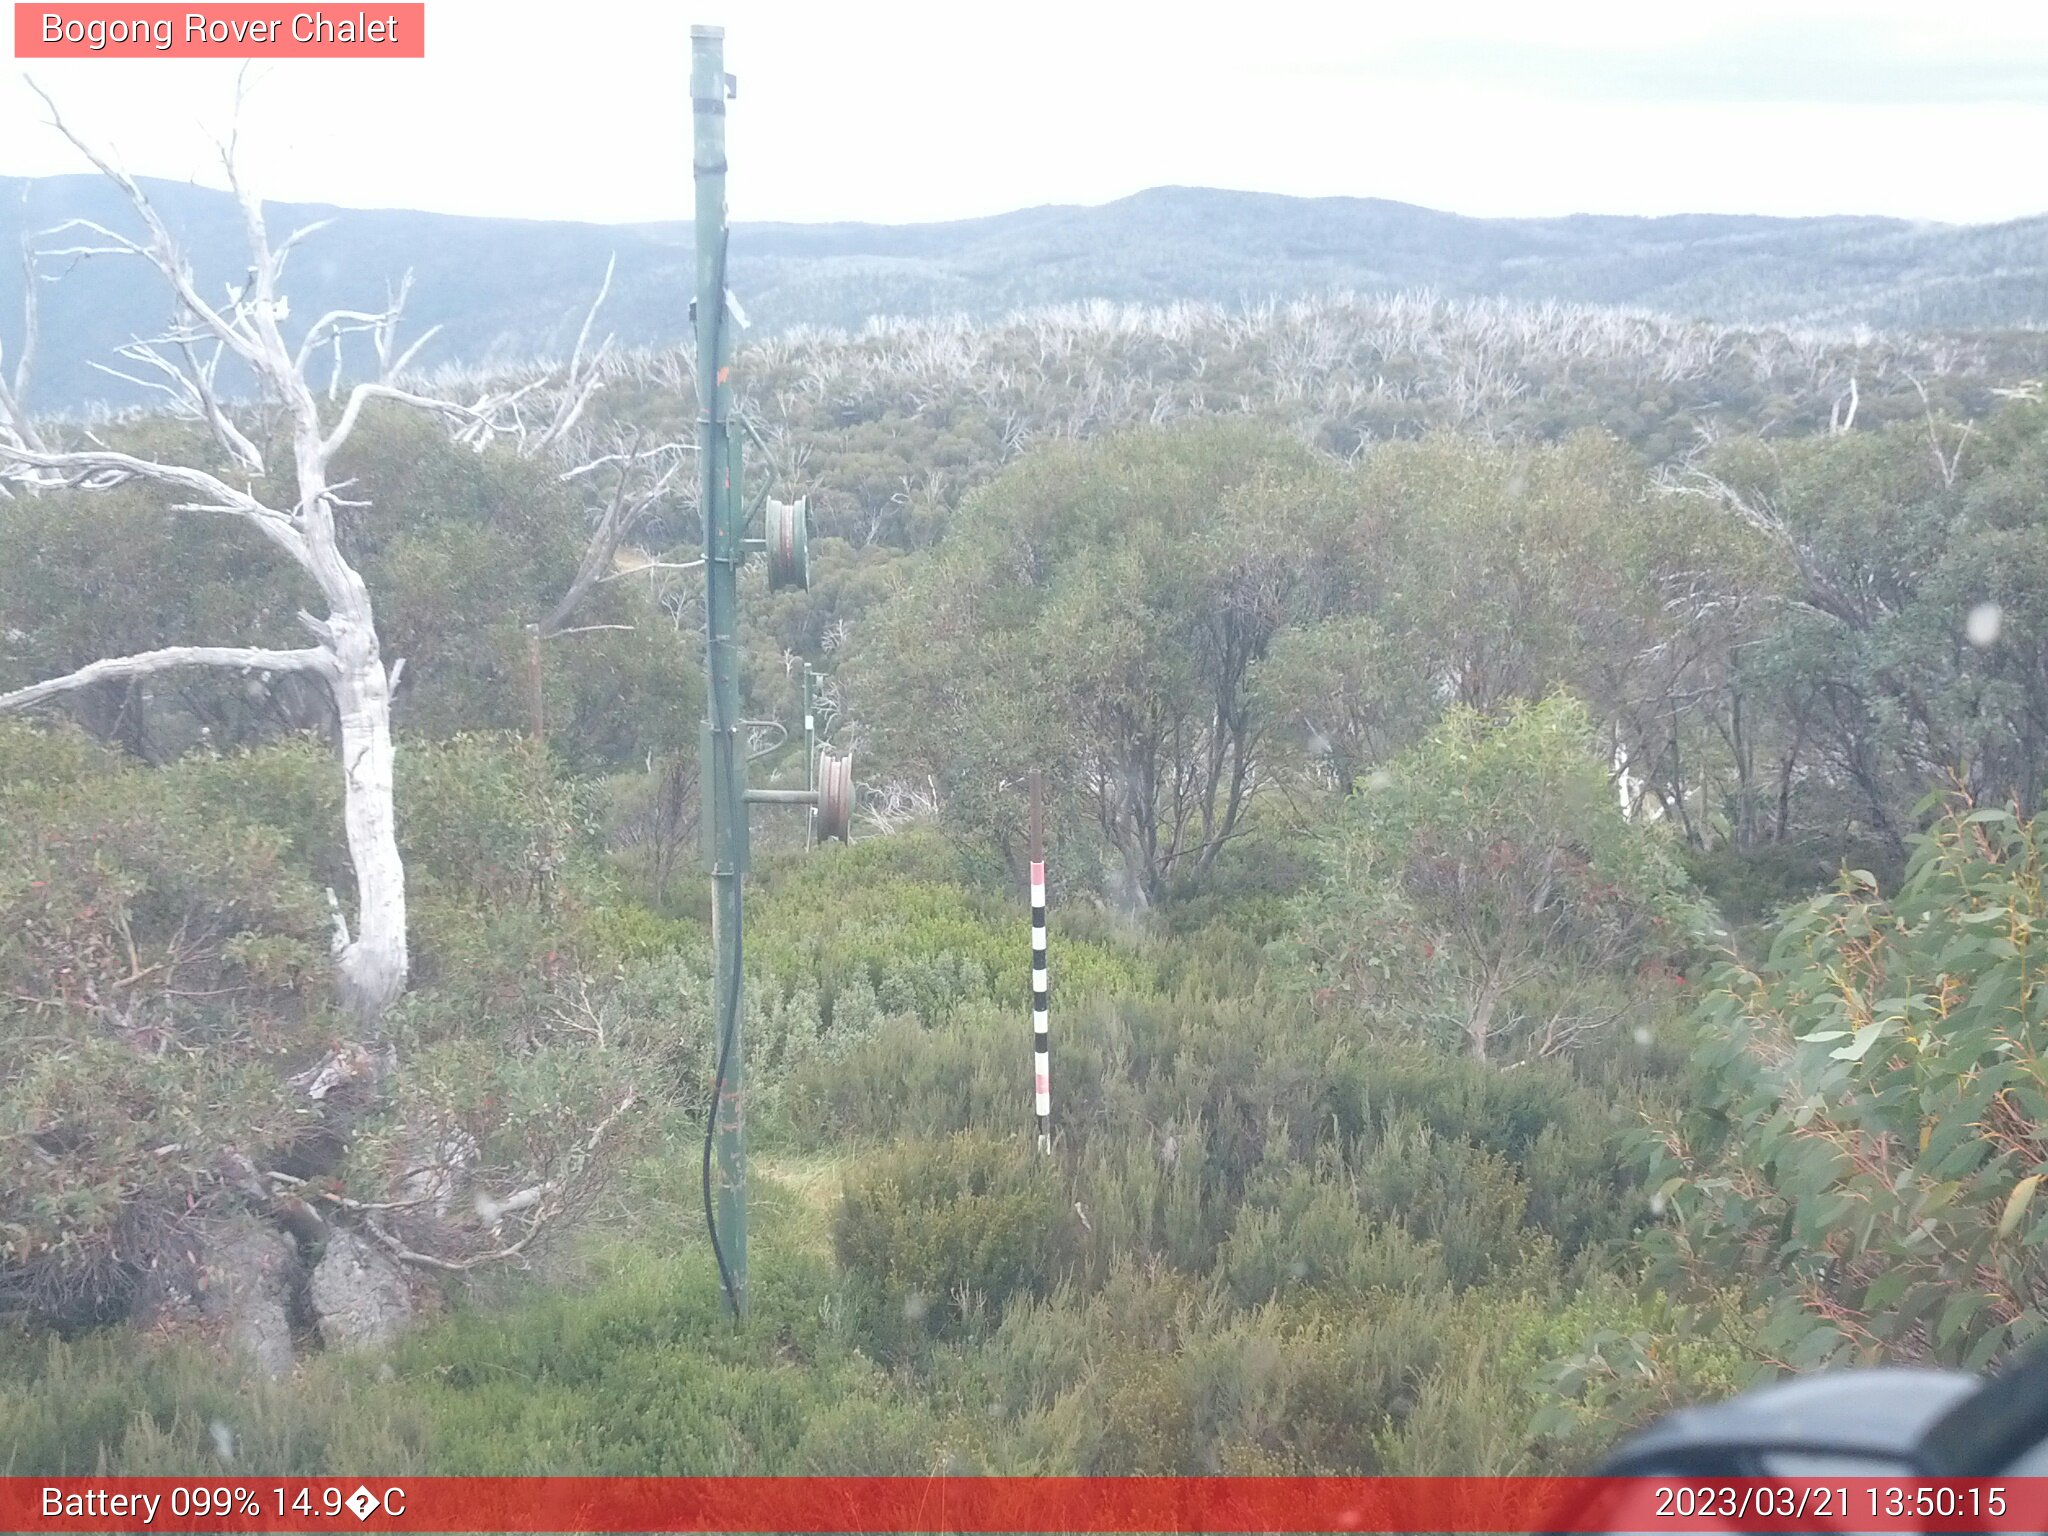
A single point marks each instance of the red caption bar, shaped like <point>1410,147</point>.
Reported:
<point>987,1504</point>
<point>235,31</point>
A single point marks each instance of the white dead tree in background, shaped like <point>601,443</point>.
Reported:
<point>247,326</point>
<point>13,390</point>
<point>641,479</point>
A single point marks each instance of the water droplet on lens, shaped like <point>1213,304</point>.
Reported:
<point>1983,624</point>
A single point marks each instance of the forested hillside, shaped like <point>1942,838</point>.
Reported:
<point>1542,850</point>
<point>506,290</point>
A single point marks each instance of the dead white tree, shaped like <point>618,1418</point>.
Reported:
<point>12,391</point>
<point>641,479</point>
<point>246,325</point>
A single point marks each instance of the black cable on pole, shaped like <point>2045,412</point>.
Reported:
<point>711,351</point>
<point>726,1032</point>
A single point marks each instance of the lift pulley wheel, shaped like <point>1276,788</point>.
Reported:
<point>789,545</point>
<point>835,795</point>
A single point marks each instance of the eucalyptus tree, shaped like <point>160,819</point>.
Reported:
<point>1485,889</point>
<point>1906,644</point>
<point>1098,611</point>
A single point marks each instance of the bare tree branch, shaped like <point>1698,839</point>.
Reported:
<point>364,393</point>
<point>630,503</point>
<point>533,1198</point>
<point>372,968</point>
<point>99,469</point>
<point>373,965</point>
<point>163,248</point>
<point>14,422</point>
<point>578,385</point>
<point>248,658</point>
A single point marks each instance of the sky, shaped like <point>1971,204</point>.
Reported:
<point>905,112</point>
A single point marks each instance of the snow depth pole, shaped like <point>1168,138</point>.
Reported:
<point>1041,1037</point>
<point>724,807</point>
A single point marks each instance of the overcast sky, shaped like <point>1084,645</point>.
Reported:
<point>870,109</point>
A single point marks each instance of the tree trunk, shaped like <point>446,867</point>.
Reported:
<point>372,967</point>
<point>1479,1025</point>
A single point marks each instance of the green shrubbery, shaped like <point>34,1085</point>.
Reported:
<point>935,1232</point>
<point>1487,892</point>
<point>1866,1132</point>
<point>1263,1244</point>
<point>896,915</point>
<point>1351,1067</point>
<point>163,958</point>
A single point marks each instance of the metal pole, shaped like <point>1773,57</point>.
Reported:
<point>782,797</point>
<point>723,765</point>
<point>810,760</point>
<point>1041,1028</point>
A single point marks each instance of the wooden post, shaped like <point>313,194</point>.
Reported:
<point>537,726</point>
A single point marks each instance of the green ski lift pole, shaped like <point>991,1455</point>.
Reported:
<point>724,808</point>
<point>828,791</point>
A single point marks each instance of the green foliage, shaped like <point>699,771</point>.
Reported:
<point>1352,693</point>
<point>163,958</point>
<point>87,574</point>
<point>1896,537</point>
<point>1104,603</point>
<point>1329,1190</point>
<point>1487,890</point>
<point>1308,1232</point>
<point>1867,1140</point>
<point>891,919</point>
<point>162,961</point>
<point>107,1400</point>
<point>937,1231</point>
<point>484,819</point>
<point>1515,571</point>
<point>1607,1362</point>
<point>640,1374</point>
<point>459,550</point>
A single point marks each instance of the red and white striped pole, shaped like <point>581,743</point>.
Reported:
<point>1041,1038</point>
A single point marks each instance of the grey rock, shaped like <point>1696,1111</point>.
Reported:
<point>250,1276</point>
<point>239,1289</point>
<point>360,1295</point>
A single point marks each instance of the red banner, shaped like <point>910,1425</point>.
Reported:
<point>230,31</point>
<point>979,1504</point>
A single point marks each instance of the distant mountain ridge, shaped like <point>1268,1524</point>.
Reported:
<point>504,290</point>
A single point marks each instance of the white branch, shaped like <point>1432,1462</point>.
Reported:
<point>99,469</point>
<point>248,658</point>
<point>494,1211</point>
<point>578,385</point>
<point>471,416</point>
<point>162,252</point>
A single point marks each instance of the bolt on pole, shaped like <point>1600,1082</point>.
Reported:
<point>724,788</point>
